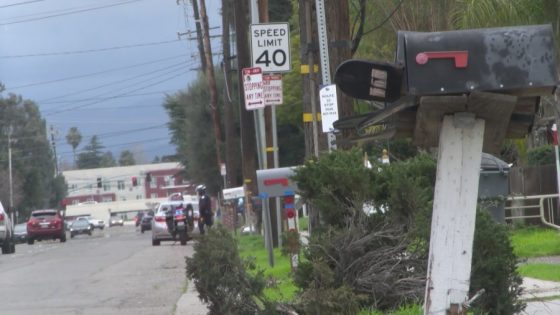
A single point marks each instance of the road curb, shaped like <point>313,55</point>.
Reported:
<point>190,304</point>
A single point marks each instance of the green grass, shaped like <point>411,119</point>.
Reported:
<point>535,242</point>
<point>403,310</point>
<point>541,271</point>
<point>284,290</point>
<point>303,223</point>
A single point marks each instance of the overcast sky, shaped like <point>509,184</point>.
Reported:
<point>103,66</point>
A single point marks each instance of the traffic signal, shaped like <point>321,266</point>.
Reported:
<point>134,181</point>
<point>148,177</point>
<point>99,183</point>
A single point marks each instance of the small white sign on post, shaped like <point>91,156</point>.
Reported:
<point>272,89</point>
<point>253,88</point>
<point>329,107</point>
<point>270,47</point>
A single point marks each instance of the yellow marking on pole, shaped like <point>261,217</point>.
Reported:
<point>304,69</point>
<point>308,117</point>
<point>270,149</point>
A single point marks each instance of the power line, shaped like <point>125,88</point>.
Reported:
<point>386,19</point>
<point>69,13</point>
<point>102,136</point>
<point>94,73</point>
<point>96,102</point>
<point>112,83</point>
<point>20,3</point>
<point>94,99</point>
<point>103,99</point>
<point>84,51</point>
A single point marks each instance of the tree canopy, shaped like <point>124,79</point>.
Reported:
<point>33,169</point>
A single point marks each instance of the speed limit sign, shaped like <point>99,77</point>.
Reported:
<point>270,47</point>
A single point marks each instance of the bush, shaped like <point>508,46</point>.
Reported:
<point>338,185</point>
<point>543,155</point>
<point>494,268</point>
<point>221,278</point>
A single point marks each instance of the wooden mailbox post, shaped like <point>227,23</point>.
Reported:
<point>463,92</point>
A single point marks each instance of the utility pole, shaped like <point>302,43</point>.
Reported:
<point>248,142</point>
<point>10,179</point>
<point>231,156</point>
<point>271,148</point>
<point>211,83</point>
<point>310,100</point>
<point>308,52</point>
<point>54,152</point>
<point>198,23</point>
<point>340,47</point>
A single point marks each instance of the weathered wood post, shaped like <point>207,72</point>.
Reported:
<point>454,212</point>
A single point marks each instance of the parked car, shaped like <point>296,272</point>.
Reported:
<point>20,233</point>
<point>80,227</point>
<point>45,224</point>
<point>94,223</point>
<point>146,223</point>
<point>116,221</point>
<point>6,233</point>
<point>159,225</point>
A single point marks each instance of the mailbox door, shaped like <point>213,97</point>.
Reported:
<point>497,59</point>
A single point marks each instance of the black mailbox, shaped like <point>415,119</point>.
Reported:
<point>514,60</point>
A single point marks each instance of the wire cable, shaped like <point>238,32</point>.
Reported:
<point>20,3</point>
<point>386,19</point>
<point>113,83</point>
<point>94,73</point>
<point>69,13</point>
<point>85,51</point>
<point>97,102</point>
<point>95,99</point>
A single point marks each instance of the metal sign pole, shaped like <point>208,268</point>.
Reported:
<point>261,140</point>
<point>324,55</point>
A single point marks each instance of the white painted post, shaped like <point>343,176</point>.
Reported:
<point>454,212</point>
<point>557,158</point>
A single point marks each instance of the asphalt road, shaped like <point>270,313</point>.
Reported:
<point>114,271</point>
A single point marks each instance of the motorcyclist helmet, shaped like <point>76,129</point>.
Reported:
<point>200,189</point>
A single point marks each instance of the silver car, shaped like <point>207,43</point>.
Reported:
<point>159,225</point>
<point>6,233</point>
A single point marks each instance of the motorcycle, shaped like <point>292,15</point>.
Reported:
<point>177,224</point>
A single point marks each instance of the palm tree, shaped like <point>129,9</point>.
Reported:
<point>74,137</point>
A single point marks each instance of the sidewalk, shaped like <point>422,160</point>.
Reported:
<point>190,304</point>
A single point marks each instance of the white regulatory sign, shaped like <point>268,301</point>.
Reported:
<point>272,89</point>
<point>253,88</point>
<point>270,47</point>
<point>329,107</point>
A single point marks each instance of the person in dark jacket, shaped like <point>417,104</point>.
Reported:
<point>205,209</point>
